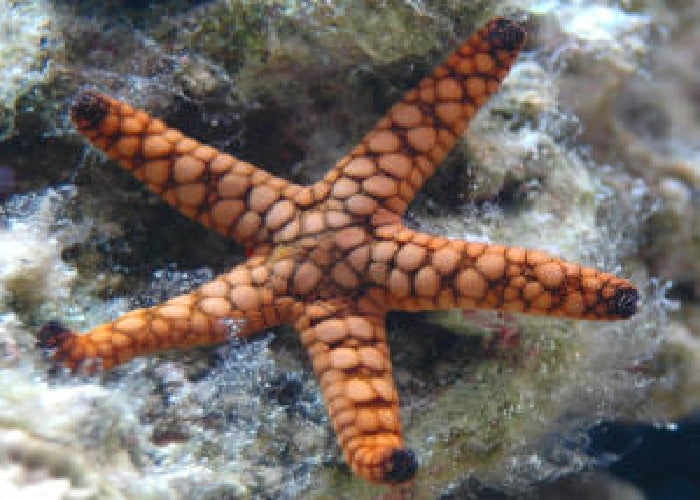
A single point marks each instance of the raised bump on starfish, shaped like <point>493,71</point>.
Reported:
<point>333,258</point>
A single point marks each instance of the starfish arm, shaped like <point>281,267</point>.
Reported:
<point>232,196</point>
<point>238,303</point>
<point>393,161</point>
<point>351,359</point>
<point>422,272</point>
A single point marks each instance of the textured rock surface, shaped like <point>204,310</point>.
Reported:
<point>582,154</point>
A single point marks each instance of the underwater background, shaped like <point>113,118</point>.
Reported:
<point>591,151</point>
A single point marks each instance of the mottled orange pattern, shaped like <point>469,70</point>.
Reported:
<point>333,258</point>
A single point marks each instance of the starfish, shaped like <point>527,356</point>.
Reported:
<point>333,258</point>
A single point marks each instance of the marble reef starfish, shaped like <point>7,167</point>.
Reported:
<point>333,258</point>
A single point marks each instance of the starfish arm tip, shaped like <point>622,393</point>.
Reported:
<point>89,109</point>
<point>625,302</point>
<point>403,466</point>
<point>53,334</point>
<point>60,342</point>
<point>507,34</point>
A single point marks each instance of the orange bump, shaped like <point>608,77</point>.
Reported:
<point>344,358</point>
<point>205,153</point>
<point>475,86</point>
<point>344,188</point>
<point>191,194</point>
<point>350,237</point>
<point>155,126</point>
<point>359,391</point>
<point>215,288</point>
<point>427,282</point>
<point>531,290</point>
<point>130,125</point>
<point>384,388</point>
<point>550,274</point>
<point>399,284</point>
<point>383,141</point>
<point>471,284</point>
<point>591,283</point>
<point>336,219</point>
<point>388,419</point>
<point>380,185</point>
<point>535,257</point>
<point>449,112</point>
<point>171,135</point>
<point>185,145</point>
<point>465,66</point>
<point>233,185</point>
<point>130,323</point>
<point>128,146</point>
<point>344,418</point>
<point>307,277</point>
<point>120,340</point>
<point>225,212</point>
<point>155,146</point>
<point>187,169</point>
<point>543,301</point>
<point>222,163</point>
<point>371,358</point>
<point>410,257</point>
<point>574,304</point>
<point>449,89</point>
<point>491,265</point>
<point>247,225</point>
<point>367,420</point>
<point>279,214</point>
<point>406,115</point>
<point>261,197</point>
<point>445,260</point>
<point>345,276</point>
<point>360,167</point>
<point>169,311</point>
<point>398,165</point>
<point>157,172</point>
<point>378,272</point>
<point>422,138</point>
<point>360,204</point>
<point>516,255</point>
<point>358,258</point>
<point>360,328</point>
<point>312,222</point>
<point>484,63</point>
<point>384,251</point>
<point>427,94</point>
<point>331,331</point>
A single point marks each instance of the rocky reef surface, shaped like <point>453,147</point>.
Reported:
<point>590,151</point>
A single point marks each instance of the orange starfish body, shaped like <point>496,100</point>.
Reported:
<point>334,257</point>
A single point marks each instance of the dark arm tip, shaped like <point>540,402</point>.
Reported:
<point>403,466</point>
<point>53,334</point>
<point>624,303</point>
<point>89,109</point>
<point>506,34</point>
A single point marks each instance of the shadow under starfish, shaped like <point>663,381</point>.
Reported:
<point>334,257</point>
